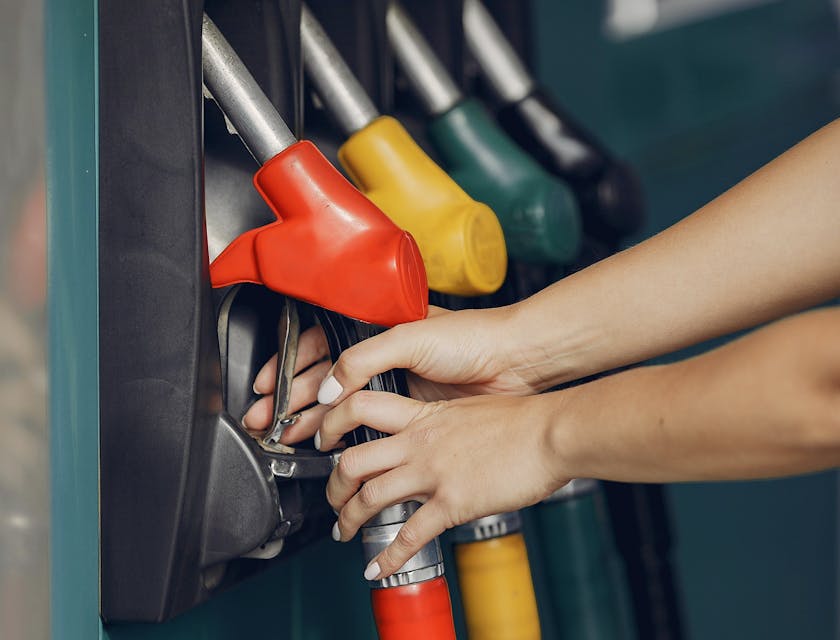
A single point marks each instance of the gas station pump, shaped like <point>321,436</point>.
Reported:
<point>216,502</point>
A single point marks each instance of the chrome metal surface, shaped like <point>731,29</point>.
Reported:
<point>395,514</point>
<point>334,82</point>
<point>424,70</point>
<point>240,98</point>
<point>425,564</point>
<point>495,526</point>
<point>495,55</point>
<point>408,577</point>
<point>288,334</point>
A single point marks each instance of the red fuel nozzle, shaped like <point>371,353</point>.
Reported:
<point>331,246</point>
<point>420,611</point>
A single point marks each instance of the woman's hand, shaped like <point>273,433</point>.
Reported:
<point>311,366</point>
<point>448,355</point>
<point>464,459</point>
<point>451,354</point>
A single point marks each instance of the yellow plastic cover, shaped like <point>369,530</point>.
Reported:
<point>461,240</point>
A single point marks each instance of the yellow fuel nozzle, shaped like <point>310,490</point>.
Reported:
<point>494,577</point>
<point>461,240</point>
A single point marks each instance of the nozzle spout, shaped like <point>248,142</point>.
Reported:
<point>334,82</point>
<point>240,98</point>
<point>428,77</point>
<point>498,61</point>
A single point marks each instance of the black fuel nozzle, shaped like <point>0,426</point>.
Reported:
<point>607,188</point>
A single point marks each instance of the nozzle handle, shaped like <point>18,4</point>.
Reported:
<point>240,98</point>
<point>425,72</point>
<point>498,61</point>
<point>343,95</point>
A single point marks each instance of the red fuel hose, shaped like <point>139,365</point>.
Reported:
<point>420,611</point>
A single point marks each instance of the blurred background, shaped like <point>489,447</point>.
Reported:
<point>697,94</point>
<point>24,452</point>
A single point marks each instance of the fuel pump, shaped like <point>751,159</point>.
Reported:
<point>539,214</point>
<point>320,214</point>
<point>607,189</point>
<point>461,241</point>
<point>612,204</point>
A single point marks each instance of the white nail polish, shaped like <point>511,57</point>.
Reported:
<point>372,571</point>
<point>329,390</point>
<point>336,534</point>
<point>318,440</point>
<point>244,424</point>
<point>254,387</point>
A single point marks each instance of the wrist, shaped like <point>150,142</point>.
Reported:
<point>559,432</point>
<point>555,342</point>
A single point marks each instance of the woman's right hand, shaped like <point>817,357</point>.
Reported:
<point>451,354</point>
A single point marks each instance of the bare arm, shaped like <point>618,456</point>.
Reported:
<point>765,405</point>
<point>767,247</point>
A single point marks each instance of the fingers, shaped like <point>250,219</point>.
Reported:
<point>399,485</point>
<point>359,464</point>
<point>393,349</point>
<point>259,417</point>
<point>304,389</point>
<point>305,386</point>
<point>312,347</point>
<point>305,427</point>
<point>421,528</point>
<point>386,412</point>
<point>267,377</point>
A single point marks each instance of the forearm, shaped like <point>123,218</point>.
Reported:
<point>765,405</point>
<point>765,248</point>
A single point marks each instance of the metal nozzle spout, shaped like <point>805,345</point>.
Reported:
<point>240,98</point>
<point>334,82</point>
<point>494,54</point>
<point>424,70</point>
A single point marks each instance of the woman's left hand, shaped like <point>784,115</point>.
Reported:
<point>464,459</point>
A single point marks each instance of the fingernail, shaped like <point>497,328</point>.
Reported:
<point>336,534</point>
<point>372,571</point>
<point>254,387</point>
<point>329,390</point>
<point>318,440</point>
<point>244,424</point>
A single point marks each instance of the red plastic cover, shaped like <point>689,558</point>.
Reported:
<point>330,246</point>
